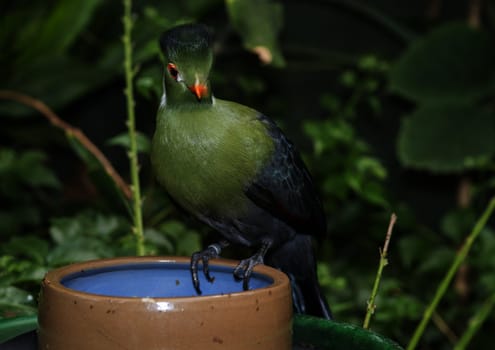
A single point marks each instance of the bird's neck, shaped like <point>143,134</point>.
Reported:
<point>178,95</point>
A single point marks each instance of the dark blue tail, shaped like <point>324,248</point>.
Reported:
<point>296,258</point>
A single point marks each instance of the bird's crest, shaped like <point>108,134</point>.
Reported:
<point>185,41</point>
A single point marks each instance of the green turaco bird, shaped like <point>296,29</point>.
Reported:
<point>234,169</point>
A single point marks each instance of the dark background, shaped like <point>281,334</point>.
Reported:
<point>360,79</point>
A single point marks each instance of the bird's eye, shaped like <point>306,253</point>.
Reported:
<point>172,69</point>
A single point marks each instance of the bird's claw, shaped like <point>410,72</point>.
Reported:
<point>212,252</point>
<point>244,270</point>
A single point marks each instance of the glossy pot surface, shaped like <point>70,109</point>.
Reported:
<point>149,303</point>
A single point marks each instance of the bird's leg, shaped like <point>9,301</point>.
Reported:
<point>213,251</point>
<point>245,268</point>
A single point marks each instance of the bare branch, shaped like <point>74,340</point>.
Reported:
<point>70,131</point>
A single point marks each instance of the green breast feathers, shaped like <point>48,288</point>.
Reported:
<point>206,156</point>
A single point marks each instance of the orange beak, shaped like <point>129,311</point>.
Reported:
<point>200,90</point>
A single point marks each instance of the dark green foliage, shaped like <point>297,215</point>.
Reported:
<point>27,168</point>
<point>450,64</point>
<point>25,259</point>
<point>447,137</point>
<point>143,142</point>
<point>449,73</point>
<point>25,181</point>
<point>39,59</point>
<point>386,126</point>
<point>353,170</point>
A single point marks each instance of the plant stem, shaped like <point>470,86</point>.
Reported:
<point>370,309</point>
<point>444,328</point>
<point>475,323</point>
<point>131,125</point>
<point>459,259</point>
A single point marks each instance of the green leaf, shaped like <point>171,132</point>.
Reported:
<point>86,236</point>
<point>83,153</point>
<point>190,242</point>
<point>329,134</point>
<point>149,82</point>
<point>447,138</point>
<point>375,105</point>
<point>24,168</point>
<point>453,62</point>
<point>31,247</point>
<point>348,78</point>
<point>56,81</point>
<point>16,302</point>
<point>413,250</point>
<point>143,141</point>
<point>374,193</point>
<point>337,335</point>
<point>13,326</point>
<point>79,249</point>
<point>370,165</point>
<point>31,168</point>
<point>458,223</point>
<point>259,23</point>
<point>16,270</point>
<point>482,260</point>
<point>43,30</point>
<point>173,228</point>
<point>59,28</point>
<point>328,280</point>
<point>15,295</point>
<point>65,230</point>
<point>186,241</point>
<point>158,239</point>
<point>330,102</point>
<point>86,223</point>
<point>397,306</point>
<point>74,16</point>
<point>439,261</point>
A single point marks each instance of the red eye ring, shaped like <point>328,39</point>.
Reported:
<point>172,69</point>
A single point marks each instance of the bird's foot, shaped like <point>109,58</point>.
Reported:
<point>244,270</point>
<point>212,252</point>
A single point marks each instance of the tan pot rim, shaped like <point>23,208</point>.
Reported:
<point>54,277</point>
<point>255,319</point>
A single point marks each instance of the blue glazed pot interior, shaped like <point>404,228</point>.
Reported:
<point>157,280</point>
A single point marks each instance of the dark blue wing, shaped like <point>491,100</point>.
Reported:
<point>284,187</point>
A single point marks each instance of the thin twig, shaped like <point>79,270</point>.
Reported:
<point>70,131</point>
<point>370,309</point>
<point>444,327</point>
<point>131,125</point>
<point>444,284</point>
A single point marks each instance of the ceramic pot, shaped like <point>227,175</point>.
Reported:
<point>149,303</point>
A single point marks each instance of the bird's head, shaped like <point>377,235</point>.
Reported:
<point>189,57</point>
